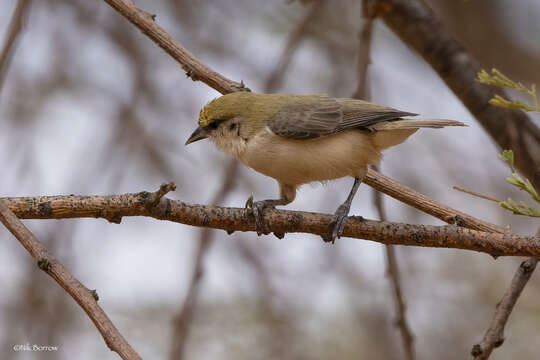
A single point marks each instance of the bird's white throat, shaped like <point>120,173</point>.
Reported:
<point>233,145</point>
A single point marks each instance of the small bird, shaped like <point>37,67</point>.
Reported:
<point>299,139</point>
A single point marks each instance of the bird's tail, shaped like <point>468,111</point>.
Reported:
<point>391,133</point>
<point>415,124</point>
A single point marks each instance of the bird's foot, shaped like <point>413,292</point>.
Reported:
<point>335,227</point>
<point>257,211</point>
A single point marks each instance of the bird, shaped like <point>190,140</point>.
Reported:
<point>300,139</point>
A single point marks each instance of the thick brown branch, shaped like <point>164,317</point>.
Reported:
<point>419,27</point>
<point>280,221</point>
<point>191,65</point>
<point>87,299</point>
<point>494,336</point>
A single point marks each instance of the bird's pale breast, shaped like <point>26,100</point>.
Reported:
<point>298,162</point>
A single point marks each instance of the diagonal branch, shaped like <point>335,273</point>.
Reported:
<point>86,298</point>
<point>114,207</point>
<point>494,336</point>
<point>14,30</point>
<point>194,69</point>
<point>295,38</point>
<point>416,24</point>
<point>423,203</point>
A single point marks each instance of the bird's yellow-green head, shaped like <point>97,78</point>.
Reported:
<point>245,112</point>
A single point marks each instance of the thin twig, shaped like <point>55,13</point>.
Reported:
<point>364,51</point>
<point>195,69</point>
<point>475,194</point>
<point>182,322</point>
<point>86,298</point>
<point>494,336</point>
<point>14,30</point>
<point>114,207</point>
<point>393,273</point>
<point>295,39</point>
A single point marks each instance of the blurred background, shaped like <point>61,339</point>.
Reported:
<point>89,105</point>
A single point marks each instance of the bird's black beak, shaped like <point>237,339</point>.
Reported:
<point>199,134</point>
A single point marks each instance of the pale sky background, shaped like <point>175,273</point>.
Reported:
<point>141,267</point>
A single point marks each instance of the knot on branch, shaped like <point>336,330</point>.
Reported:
<point>191,73</point>
<point>528,266</point>
<point>476,350</point>
<point>456,220</point>
<point>241,87</point>
<point>44,264</point>
<point>94,294</point>
<point>110,216</point>
<point>151,200</point>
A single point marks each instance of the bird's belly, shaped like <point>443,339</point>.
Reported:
<point>298,162</point>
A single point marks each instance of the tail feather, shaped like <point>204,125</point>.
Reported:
<point>400,130</point>
<point>415,124</point>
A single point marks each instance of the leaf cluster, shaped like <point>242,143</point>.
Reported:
<point>496,78</point>
<point>523,184</point>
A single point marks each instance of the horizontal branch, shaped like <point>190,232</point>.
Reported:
<point>195,69</point>
<point>114,207</point>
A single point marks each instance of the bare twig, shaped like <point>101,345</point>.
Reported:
<point>420,28</point>
<point>393,273</point>
<point>191,65</point>
<point>407,336</point>
<point>114,207</point>
<point>494,336</point>
<point>14,29</point>
<point>183,320</point>
<point>295,38</point>
<point>475,194</point>
<point>86,298</point>
<point>423,203</point>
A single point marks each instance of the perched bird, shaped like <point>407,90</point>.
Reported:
<point>298,139</point>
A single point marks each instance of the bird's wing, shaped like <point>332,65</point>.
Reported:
<point>313,117</point>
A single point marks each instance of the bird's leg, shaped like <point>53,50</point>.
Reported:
<point>287,192</point>
<point>335,228</point>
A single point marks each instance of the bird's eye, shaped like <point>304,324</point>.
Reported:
<point>232,126</point>
<point>213,125</point>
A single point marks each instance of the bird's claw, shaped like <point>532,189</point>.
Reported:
<point>257,210</point>
<point>249,202</point>
<point>336,226</point>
